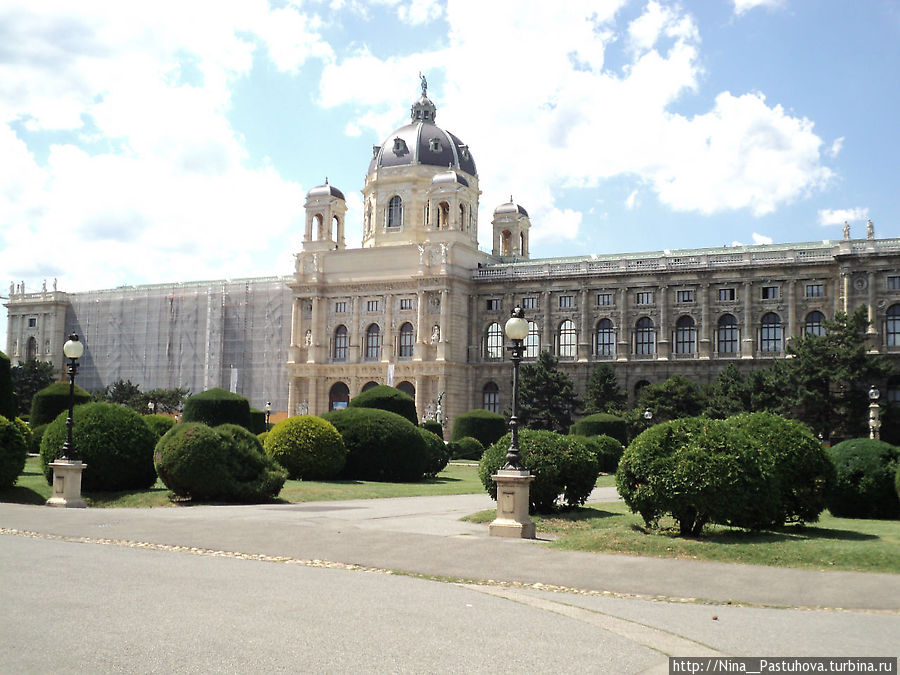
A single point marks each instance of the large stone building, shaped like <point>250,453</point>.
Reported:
<point>420,307</point>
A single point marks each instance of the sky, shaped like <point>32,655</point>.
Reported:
<point>176,140</point>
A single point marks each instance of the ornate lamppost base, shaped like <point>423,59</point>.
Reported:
<point>67,484</point>
<point>512,505</point>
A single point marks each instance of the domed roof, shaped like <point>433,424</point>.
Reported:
<point>423,142</point>
<point>510,207</point>
<point>325,190</point>
<point>449,178</point>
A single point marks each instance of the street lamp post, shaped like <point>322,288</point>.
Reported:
<point>268,413</point>
<point>513,480</point>
<point>648,415</point>
<point>874,413</point>
<point>68,468</point>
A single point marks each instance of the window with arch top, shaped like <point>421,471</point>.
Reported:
<point>407,341</point>
<point>685,335</point>
<point>395,212</point>
<point>770,333</point>
<point>339,352</point>
<point>892,326</point>
<point>814,324</point>
<point>727,335</point>
<point>606,338</point>
<point>494,342</point>
<point>567,339</point>
<point>373,342</point>
<point>532,341</point>
<point>490,397</point>
<point>644,336</point>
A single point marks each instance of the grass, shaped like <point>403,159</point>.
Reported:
<point>832,543</point>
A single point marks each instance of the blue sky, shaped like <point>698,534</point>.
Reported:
<point>177,142</point>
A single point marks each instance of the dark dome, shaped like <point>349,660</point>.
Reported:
<point>449,178</point>
<point>325,191</point>
<point>510,207</point>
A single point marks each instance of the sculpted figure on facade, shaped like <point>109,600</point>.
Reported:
<point>846,231</point>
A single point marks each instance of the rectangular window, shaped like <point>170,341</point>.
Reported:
<point>529,303</point>
<point>405,303</point>
<point>32,322</point>
<point>340,307</point>
<point>493,304</point>
<point>770,293</point>
<point>565,301</point>
<point>644,298</point>
<point>684,296</point>
<point>726,294</point>
<point>893,283</point>
<point>604,298</point>
<point>372,305</point>
<point>815,290</point>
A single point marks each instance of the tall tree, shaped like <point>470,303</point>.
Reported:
<point>547,398</point>
<point>123,392</point>
<point>29,378</point>
<point>671,399</point>
<point>603,392</point>
<point>728,395</point>
<point>167,400</point>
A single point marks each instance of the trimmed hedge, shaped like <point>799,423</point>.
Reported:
<point>37,433</point>
<point>562,465</point>
<point>9,401</point>
<point>13,452</point>
<point>864,479</point>
<point>52,400</point>
<point>484,425</point>
<point>699,470</point>
<point>466,448</point>
<point>803,469</point>
<point>601,424</point>
<point>111,439</point>
<point>158,424</point>
<point>436,453</point>
<point>222,464</point>
<point>610,452</point>
<point>308,447</point>
<point>381,445</point>
<point>434,427</point>
<point>217,406</point>
<point>22,426</point>
<point>388,398</point>
<point>257,421</point>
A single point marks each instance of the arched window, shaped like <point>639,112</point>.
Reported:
<point>340,343</point>
<point>685,335</point>
<point>494,342</point>
<point>407,388</point>
<point>644,336</point>
<point>523,249</point>
<point>727,338</point>
<point>505,242</point>
<point>368,385</point>
<point>640,385</point>
<point>395,212</point>
<point>407,340</point>
<point>892,326</point>
<point>462,218</point>
<point>443,215</point>
<point>30,349</point>
<point>532,341</point>
<point>606,338</point>
<point>338,396</point>
<point>770,333</point>
<point>317,219</point>
<point>490,397</point>
<point>373,342</point>
<point>814,324</point>
<point>567,339</point>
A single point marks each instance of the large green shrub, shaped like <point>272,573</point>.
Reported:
<point>111,439</point>
<point>601,424</point>
<point>50,401</point>
<point>466,448</point>
<point>484,425</point>
<point>257,421</point>
<point>434,427</point>
<point>158,424</point>
<point>37,434</point>
<point>562,465</point>
<point>698,470</point>
<point>384,397</point>
<point>13,452</point>
<point>436,453</point>
<point>222,464</point>
<point>610,452</point>
<point>308,447</point>
<point>801,465</point>
<point>27,433</point>
<point>9,401</point>
<point>864,482</point>
<point>381,445</point>
<point>217,406</point>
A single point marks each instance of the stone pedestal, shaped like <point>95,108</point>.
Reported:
<point>67,484</point>
<point>512,505</point>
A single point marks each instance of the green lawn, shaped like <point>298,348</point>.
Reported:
<point>832,543</point>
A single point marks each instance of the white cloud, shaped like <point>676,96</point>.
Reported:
<point>836,147</point>
<point>632,200</point>
<point>743,6</point>
<point>829,217</point>
<point>761,239</point>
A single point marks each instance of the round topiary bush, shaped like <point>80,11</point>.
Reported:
<point>466,448</point>
<point>562,465</point>
<point>308,447</point>
<point>22,426</point>
<point>37,433</point>
<point>384,397</point>
<point>436,453</point>
<point>609,452</point>
<point>698,470</point>
<point>50,401</point>
<point>484,425</point>
<point>238,435</point>
<point>9,401</point>
<point>111,439</point>
<point>864,479</point>
<point>201,463</point>
<point>601,424</point>
<point>217,406</point>
<point>381,445</point>
<point>257,421</point>
<point>13,452</point>
<point>434,427</point>
<point>158,424</point>
<point>802,467</point>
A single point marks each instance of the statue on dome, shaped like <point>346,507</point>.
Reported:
<point>870,230</point>
<point>424,85</point>
<point>846,231</point>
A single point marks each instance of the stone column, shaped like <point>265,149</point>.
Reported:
<point>748,337</point>
<point>387,344</point>
<point>312,355</point>
<point>293,397</point>
<point>584,342</point>
<point>623,347</point>
<point>873,329</point>
<point>664,342</point>
<point>791,311</point>
<point>845,277</point>
<point>355,349</point>
<point>705,332</point>
<point>547,337</point>
<point>442,346</point>
<point>421,329</point>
